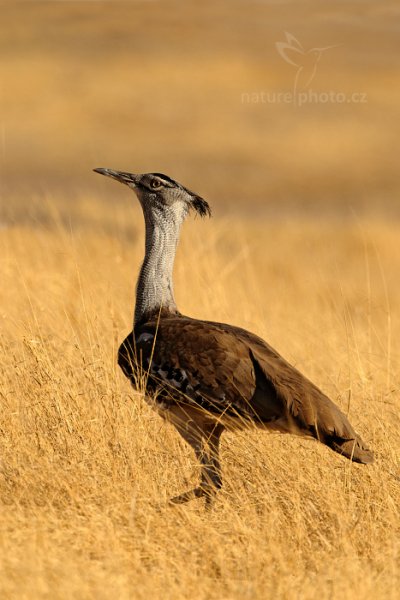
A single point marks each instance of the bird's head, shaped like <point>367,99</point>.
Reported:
<point>161,195</point>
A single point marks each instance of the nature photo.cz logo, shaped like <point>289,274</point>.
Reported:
<point>305,63</point>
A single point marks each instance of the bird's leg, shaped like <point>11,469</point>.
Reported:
<point>195,437</point>
<point>211,480</point>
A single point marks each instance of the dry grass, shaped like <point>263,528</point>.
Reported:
<point>87,468</point>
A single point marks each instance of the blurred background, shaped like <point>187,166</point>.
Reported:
<point>196,90</point>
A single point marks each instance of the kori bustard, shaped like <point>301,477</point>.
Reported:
<point>204,376</point>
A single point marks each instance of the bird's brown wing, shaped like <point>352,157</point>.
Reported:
<point>191,361</point>
<point>228,370</point>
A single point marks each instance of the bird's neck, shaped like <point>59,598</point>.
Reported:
<point>154,292</point>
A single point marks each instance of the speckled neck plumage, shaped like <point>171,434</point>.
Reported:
<point>155,286</point>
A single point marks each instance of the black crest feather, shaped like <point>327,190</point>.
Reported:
<point>201,206</point>
<point>198,203</point>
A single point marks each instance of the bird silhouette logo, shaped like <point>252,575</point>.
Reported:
<point>305,61</point>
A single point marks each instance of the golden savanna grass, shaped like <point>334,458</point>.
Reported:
<point>87,468</point>
<point>303,250</point>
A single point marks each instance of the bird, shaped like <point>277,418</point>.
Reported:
<point>306,61</point>
<point>206,377</point>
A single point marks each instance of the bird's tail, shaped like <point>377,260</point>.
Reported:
<point>299,407</point>
<point>328,424</point>
<point>333,428</point>
<point>355,449</point>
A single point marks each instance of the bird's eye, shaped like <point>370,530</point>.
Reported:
<point>155,185</point>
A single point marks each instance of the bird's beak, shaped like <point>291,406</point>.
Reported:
<point>128,178</point>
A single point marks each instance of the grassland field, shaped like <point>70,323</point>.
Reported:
<point>302,249</point>
<point>87,468</point>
